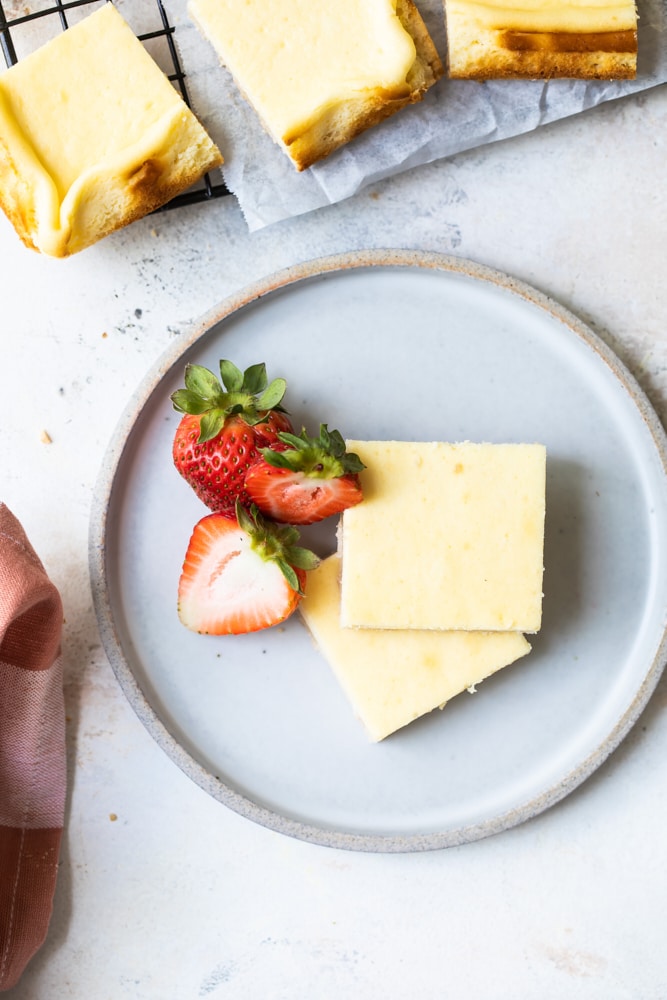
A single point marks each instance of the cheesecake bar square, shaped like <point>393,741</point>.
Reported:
<point>393,677</point>
<point>540,39</point>
<point>318,73</point>
<point>93,136</point>
<point>449,536</point>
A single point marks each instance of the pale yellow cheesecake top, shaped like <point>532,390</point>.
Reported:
<point>83,113</point>
<point>393,677</point>
<point>574,16</point>
<point>449,536</point>
<point>293,59</point>
<point>53,95</point>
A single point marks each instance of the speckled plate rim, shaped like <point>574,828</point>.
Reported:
<point>98,566</point>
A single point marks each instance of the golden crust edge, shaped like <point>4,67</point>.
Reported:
<point>547,65</point>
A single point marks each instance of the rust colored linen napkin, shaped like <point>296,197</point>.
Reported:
<point>32,748</point>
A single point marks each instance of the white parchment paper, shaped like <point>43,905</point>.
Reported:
<point>454,116</point>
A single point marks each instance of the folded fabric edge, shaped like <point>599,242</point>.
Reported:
<point>32,748</point>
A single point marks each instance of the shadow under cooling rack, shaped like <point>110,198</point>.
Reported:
<point>57,16</point>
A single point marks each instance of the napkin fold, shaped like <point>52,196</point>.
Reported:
<point>32,748</point>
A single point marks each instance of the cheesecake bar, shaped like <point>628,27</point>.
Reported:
<point>490,39</point>
<point>393,677</point>
<point>92,136</point>
<point>319,73</point>
<point>449,536</point>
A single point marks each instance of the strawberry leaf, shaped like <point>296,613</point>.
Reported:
<point>334,440</point>
<point>201,381</point>
<point>288,534</point>
<point>352,462</point>
<point>189,402</point>
<point>247,522</point>
<point>211,424</point>
<point>280,459</point>
<point>326,439</point>
<point>302,558</point>
<point>293,440</point>
<point>254,379</point>
<point>232,377</point>
<point>272,396</point>
<point>289,575</point>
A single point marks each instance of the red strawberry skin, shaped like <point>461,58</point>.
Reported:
<point>292,497</point>
<point>216,469</point>
<point>226,588</point>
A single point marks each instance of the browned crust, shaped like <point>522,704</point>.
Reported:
<point>341,124</point>
<point>15,198</point>
<point>428,67</point>
<point>551,65</point>
<point>538,55</point>
<point>566,41</point>
<point>150,186</point>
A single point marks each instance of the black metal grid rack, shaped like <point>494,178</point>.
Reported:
<point>205,190</point>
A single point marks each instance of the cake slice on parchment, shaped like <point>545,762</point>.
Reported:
<point>93,136</point>
<point>539,39</point>
<point>318,73</point>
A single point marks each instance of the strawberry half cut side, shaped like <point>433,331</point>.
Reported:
<point>225,421</point>
<point>302,479</point>
<point>241,574</point>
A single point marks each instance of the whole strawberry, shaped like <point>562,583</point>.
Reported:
<point>302,479</point>
<point>224,425</point>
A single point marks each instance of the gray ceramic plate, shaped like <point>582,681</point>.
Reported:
<point>391,344</point>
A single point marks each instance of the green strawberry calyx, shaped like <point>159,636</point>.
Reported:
<point>248,394</point>
<point>276,543</point>
<point>321,457</point>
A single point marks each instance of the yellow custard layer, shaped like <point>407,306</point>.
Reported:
<point>294,59</point>
<point>544,15</point>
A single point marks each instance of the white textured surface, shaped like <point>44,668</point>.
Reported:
<point>179,898</point>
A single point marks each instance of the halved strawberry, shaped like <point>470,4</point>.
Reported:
<point>303,480</point>
<point>241,574</point>
<point>224,426</point>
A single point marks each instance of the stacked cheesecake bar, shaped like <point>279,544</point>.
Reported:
<point>437,578</point>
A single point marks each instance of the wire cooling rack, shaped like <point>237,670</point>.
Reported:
<point>56,17</point>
